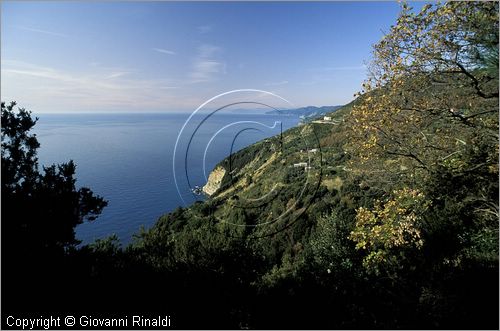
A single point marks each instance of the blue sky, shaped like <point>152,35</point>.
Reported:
<point>172,56</point>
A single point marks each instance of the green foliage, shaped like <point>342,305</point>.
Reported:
<point>107,246</point>
<point>29,196</point>
<point>388,229</point>
<point>40,210</point>
<point>331,249</point>
<point>428,99</point>
<point>19,161</point>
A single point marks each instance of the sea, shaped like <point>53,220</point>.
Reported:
<point>146,164</point>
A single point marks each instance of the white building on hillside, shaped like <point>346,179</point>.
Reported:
<point>300,164</point>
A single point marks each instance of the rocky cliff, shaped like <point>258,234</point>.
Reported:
<point>214,180</point>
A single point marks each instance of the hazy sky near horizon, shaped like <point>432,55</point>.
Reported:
<point>154,56</point>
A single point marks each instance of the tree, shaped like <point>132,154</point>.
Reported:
<point>424,132</point>
<point>40,210</point>
<point>388,229</point>
<point>428,114</point>
<point>432,94</point>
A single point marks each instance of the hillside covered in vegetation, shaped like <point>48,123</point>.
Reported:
<point>383,216</point>
<point>306,113</point>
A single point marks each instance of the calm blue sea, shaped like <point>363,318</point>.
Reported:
<point>129,159</point>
